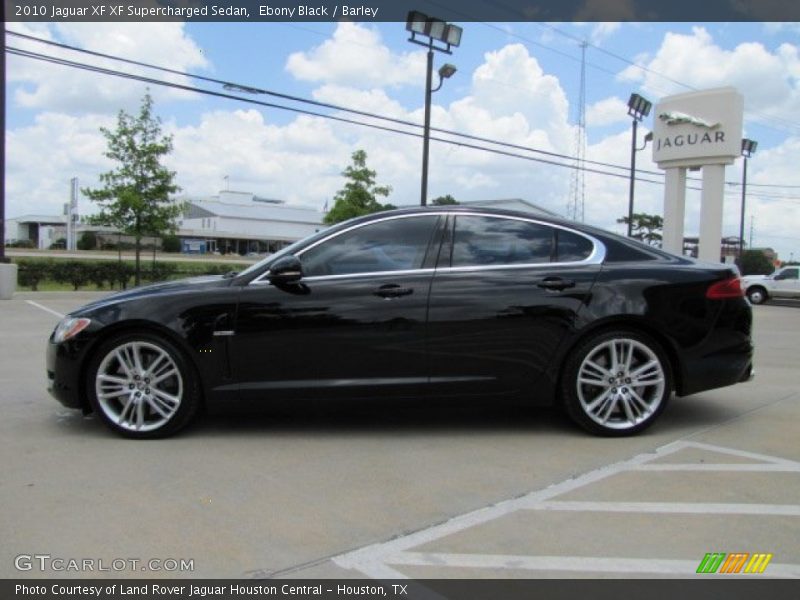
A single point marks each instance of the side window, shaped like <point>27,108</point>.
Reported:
<point>788,274</point>
<point>572,247</point>
<point>392,245</point>
<point>481,241</point>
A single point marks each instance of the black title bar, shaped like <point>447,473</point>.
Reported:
<point>458,11</point>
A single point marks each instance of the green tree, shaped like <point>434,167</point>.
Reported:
<point>171,243</point>
<point>359,195</point>
<point>755,262</point>
<point>444,201</point>
<point>646,228</point>
<point>87,241</point>
<point>135,197</point>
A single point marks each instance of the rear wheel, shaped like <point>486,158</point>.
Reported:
<point>142,386</point>
<point>757,295</point>
<point>616,383</point>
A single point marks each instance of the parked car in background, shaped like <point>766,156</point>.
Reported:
<point>783,283</point>
<point>437,302</point>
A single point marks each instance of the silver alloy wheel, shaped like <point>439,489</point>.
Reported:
<point>756,296</point>
<point>621,383</point>
<point>139,387</point>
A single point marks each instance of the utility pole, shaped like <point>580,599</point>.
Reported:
<point>3,258</point>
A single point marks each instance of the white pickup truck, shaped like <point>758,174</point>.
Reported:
<point>783,283</point>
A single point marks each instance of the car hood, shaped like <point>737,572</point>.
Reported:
<point>754,277</point>
<point>194,284</point>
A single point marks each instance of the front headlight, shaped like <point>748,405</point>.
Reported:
<point>69,327</point>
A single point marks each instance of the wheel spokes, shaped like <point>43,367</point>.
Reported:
<point>620,383</point>
<point>139,386</point>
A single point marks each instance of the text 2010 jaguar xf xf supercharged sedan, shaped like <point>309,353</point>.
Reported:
<point>417,302</point>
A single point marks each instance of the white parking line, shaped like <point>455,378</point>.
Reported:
<point>44,308</point>
<point>375,560</point>
<point>741,467</point>
<point>699,508</point>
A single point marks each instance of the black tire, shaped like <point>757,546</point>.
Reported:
<point>138,403</point>
<point>615,406</point>
<point>757,294</point>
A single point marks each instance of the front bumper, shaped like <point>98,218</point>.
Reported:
<point>63,365</point>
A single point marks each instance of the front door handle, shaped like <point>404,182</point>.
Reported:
<point>392,290</point>
<point>555,283</point>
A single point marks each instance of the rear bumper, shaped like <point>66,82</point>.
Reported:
<point>718,369</point>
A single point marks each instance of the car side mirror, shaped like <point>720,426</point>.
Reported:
<point>286,269</point>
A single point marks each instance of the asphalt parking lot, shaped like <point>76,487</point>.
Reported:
<point>399,489</point>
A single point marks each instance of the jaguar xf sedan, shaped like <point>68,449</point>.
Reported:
<point>423,303</point>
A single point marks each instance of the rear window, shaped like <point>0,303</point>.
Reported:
<point>572,247</point>
<point>481,241</point>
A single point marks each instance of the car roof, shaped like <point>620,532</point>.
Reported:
<point>602,234</point>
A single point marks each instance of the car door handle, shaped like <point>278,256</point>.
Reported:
<point>555,283</point>
<point>392,290</point>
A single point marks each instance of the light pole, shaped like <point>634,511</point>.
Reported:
<point>748,149</point>
<point>638,108</point>
<point>435,30</point>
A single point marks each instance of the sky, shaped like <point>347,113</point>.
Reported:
<point>517,83</point>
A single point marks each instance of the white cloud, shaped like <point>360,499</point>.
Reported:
<point>510,98</point>
<point>44,156</point>
<point>356,56</point>
<point>299,162</point>
<point>607,112</point>
<point>603,31</point>
<point>769,81</point>
<point>40,85</point>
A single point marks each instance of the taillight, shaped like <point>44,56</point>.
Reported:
<point>727,288</point>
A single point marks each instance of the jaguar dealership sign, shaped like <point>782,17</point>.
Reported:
<point>698,128</point>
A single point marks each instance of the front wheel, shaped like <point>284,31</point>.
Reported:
<point>141,386</point>
<point>757,295</point>
<point>616,383</point>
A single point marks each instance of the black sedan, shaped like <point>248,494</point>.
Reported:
<point>411,303</point>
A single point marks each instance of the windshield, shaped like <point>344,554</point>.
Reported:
<point>290,249</point>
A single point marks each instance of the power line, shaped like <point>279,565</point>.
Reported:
<point>233,85</point>
<point>252,89</point>
<point>150,80</point>
<point>576,166</point>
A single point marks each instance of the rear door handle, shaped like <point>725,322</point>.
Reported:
<point>392,290</point>
<point>555,283</point>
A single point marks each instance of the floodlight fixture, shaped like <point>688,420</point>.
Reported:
<point>436,30</point>
<point>749,147</point>
<point>639,107</point>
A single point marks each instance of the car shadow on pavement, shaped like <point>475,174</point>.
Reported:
<point>400,417</point>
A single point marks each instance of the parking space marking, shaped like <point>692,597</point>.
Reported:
<point>376,560</point>
<point>749,468</point>
<point>785,510</point>
<point>44,308</point>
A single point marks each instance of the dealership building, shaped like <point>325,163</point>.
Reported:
<point>241,222</point>
<point>229,222</point>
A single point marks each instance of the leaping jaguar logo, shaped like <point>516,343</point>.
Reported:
<point>677,118</point>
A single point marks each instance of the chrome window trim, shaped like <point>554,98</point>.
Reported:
<point>596,257</point>
<point>336,234</point>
